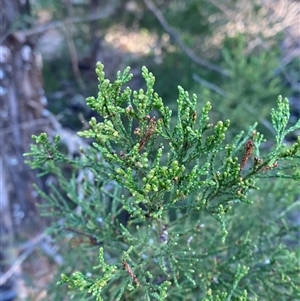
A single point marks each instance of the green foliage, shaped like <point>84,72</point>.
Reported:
<point>251,90</point>
<point>164,204</point>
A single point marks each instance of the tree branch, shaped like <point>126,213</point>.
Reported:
<point>175,35</point>
<point>209,85</point>
<point>39,29</point>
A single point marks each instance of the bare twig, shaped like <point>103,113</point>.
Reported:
<point>150,131</point>
<point>128,268</point>
<point>72,48</point>
<point>29,248</point>
<point>51,251</point>
<point>32,242</point>
<point>41,241</point>
<point>210,85</point>
<point>249,147</point>
<point>267,124</point>
<point>221,7</point>
<point>223,93</point>
<point>15,267</point>
<point>40,29</point>
<point>36,123</point>
<point>200,61</point>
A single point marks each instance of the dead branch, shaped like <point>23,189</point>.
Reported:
<point>128,268</point>
<point>210,85</point>
<point>40,29</point>
<point>249,147</point>
<point>175,35</point>
<point>223,93</point>
<point>150,131</point>
<point>72,48</point>
<point>29,248</point>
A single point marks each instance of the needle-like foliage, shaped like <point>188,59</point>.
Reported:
<point>161,203</point>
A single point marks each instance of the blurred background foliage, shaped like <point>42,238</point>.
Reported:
<point>245,40</point>
<point>238,54</point>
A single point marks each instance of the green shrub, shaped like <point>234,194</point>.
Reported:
<point>173,211</point>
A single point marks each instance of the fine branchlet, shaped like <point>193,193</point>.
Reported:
<point>150,182</point>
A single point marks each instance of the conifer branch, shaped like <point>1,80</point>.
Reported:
<point>166,179</point>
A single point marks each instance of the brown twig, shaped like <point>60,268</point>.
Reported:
<point>266,168</point>
<point>249,147</point>
<point>127,267</point>
<point>150,131</point>
<point>198,60</point>
<point>92,239</point>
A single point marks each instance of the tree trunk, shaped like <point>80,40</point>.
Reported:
<point>22,99</point>
<point>21,109</point>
